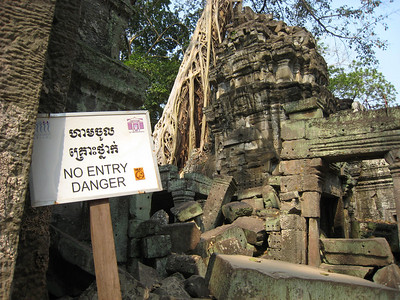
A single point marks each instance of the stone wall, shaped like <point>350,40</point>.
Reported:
<point>373,197</point>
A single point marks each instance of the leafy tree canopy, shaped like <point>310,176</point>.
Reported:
<point>159,32</point>
<point>363,84</point>
<point>155,42</point>
<point>161,73</point>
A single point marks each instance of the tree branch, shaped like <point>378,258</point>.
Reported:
<point>160,36</point>
<point>320,23</point>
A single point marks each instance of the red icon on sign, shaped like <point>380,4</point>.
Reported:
<point>135,124</point>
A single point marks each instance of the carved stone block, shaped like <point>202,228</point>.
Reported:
<point>221,193</point>
<point>310,204</point>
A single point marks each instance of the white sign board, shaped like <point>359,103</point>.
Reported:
<point>86,156</point>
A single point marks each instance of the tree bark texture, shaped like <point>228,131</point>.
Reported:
<point>25,28</point>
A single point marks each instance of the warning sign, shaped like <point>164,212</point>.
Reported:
<point>86,156</point>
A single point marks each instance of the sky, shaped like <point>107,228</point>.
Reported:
<point>389,59</point>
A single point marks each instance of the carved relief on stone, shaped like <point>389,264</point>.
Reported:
<point>262,64</point>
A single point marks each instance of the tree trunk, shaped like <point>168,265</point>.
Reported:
<point>25,27</point>
<point>182,127</point>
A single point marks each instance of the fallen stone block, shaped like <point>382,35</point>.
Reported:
<point>156,246</point>
<point>177,231</point>
<point>196,286</point>
<point>161,216</point>
<point>182,195</point>
<point>291,207</point>
<point>271,199</point>
<point>187,265</point>
<point>73,251</point>
<point>130,288</point>
<point>357,271</point>
<point>255,203</point>
<point>158,263</point>
<point>268,212</point>
<point>253,228</point>
<point>251,248</point>
<point>231,246</point>
<point>201,183</point>
<point>243,277</point>
<point>187,210</point>
<point>221,193</point>
<point>272,224</point>
<point>208,239</point>
<point>234,210</point>
<point>275,180</point>
<point>144,228</point>
<point>146,275</point>
<point>174,287</point>
<point>388,276</point>
<point>252,193</point>
<point>361,252</point>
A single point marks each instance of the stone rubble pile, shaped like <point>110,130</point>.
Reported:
<point>218,235</point>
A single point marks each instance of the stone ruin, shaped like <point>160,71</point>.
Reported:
<point>292,175</point>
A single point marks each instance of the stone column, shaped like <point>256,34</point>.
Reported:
<point>304,177</point>
<point>393,159</point>
<point>310,209</point>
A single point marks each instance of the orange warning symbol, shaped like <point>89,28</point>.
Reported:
<point>139,174</point>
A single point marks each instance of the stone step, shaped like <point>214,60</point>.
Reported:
<point>243,277</point>
<point>358,252</point>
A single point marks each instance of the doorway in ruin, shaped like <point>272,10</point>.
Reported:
<point>332,221</point>
<point>162,201</point>
<point>372,202</point>
<point>365,207</point>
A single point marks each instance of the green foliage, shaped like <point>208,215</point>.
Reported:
<point>363,84</point>
<point>156,39</point>
<point>161,73</point>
